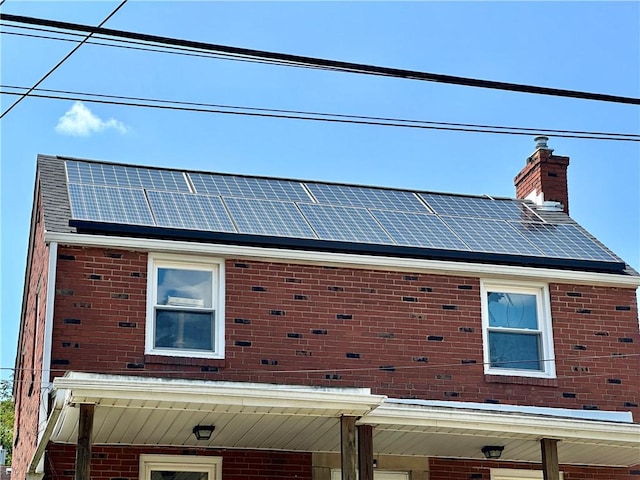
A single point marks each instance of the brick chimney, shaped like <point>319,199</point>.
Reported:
<point>544,178</point>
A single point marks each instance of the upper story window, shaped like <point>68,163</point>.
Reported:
<point>185,307</point>
<point>517,329</point>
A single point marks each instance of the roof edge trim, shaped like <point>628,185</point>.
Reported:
<point>360,261</point>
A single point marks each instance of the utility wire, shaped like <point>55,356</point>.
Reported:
<point>55,67</point>
<point>314,116</point>
<point>385,120</point>
<point>422,366</point>
<point>320,62</point>
<point>142,46</point>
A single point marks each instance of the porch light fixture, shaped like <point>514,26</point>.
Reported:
<point>203,432</point>
<point>492,451</point>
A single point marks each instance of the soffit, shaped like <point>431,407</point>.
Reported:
<point>308,420</point>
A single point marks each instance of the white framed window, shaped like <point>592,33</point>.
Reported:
<point>185,306</point>
<point>180,467</point>
<point>515,474</point>
<point>517,330</point>
<point>336,474</point>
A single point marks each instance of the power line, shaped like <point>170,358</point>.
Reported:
<point>298,60</point>
<point>319,117</point>
<point>422,366</point>
<point>55,67</point>
<point>314,116</point>
<point>142,46</point>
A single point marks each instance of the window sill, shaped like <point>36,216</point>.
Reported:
<point>542,382</point>
<point>191,361</point>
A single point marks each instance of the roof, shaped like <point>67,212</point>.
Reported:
<point>95,197</point>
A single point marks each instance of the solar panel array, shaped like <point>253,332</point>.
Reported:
<point>203,202</point>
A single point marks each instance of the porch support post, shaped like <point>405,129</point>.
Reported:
<point>365,452</point>
<point>347,447</point>
<point>550,466</point>
<point>83,448</point>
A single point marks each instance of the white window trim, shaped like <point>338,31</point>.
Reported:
<point>517,474</point>
<point>180,463</point>
<point>541,290</point>
<point>336,474</point>
<point>216,265</point>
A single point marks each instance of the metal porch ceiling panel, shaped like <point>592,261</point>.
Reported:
<point>146,411</point>
<point>516,449</point>
<point>139,426</point>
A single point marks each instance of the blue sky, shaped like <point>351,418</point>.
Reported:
<point>590,46</point>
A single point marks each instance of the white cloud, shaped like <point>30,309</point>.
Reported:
<point>79,121</point>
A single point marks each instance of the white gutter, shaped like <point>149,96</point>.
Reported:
<point>346,260</point>
<point>86,388</point>
<point>602,415</point>
<point>400,417</point>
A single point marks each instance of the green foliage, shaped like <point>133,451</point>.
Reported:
<point>6,418</point>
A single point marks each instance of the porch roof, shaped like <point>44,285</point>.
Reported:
<point>163,412</point>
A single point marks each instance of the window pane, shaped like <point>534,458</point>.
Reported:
<point>189,288</point>
<point>513,310</point>
<point>515,350</point>
<point>184,330</point>
<point>167,475</point>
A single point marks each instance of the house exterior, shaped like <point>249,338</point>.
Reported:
<point>189,325</point>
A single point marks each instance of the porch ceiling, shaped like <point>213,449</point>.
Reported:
<point>143,411</point>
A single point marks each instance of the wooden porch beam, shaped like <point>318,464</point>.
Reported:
<point>365,452</point>
<point>347,447</point>
<point>550,466</point>
<point>83,448</point>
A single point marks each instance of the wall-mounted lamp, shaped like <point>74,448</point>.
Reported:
<point>203,432</point>
<point>492,451</point>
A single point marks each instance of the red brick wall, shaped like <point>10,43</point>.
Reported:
<point>453,469</point>
<point>401,334</point>
<point>122,463</point>
<point>545,173</point>
<point>28,376</point>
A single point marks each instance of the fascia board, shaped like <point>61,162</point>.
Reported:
<point>346,259</point>
<point>580,431</point>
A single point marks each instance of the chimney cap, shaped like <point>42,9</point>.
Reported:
<point>541,142</point>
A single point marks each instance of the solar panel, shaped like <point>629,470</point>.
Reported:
<point>491,236</point>
<point>366,197</point>
<point>477,207</point>
<point>109,204</point>
<point>191,212</point>
<point>87,173</point>
<point>418,230</point>
<point>563,241</point>
<point>344,224</point>
<point>246,187</point>
<point>264,217</point>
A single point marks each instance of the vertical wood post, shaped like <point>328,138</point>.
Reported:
<point>347,447</point>
<point>550,466</point>
<point>83,448</point>
<point>365,452</point>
